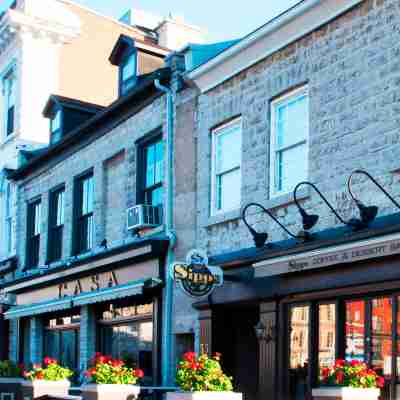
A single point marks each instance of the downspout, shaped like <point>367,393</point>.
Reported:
<point>167,320</point>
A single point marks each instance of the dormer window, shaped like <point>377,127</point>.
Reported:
<point>128,73</point>
<point>55,127</point>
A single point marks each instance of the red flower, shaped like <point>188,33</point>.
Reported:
<point>339,377</point>
<point>380,382</point>
<point>339,363</point>
<point>49,361</point>
<point>40,375</point>
<point>117,363</point>
<point>217,356</point>
<point>21,366</point>
<point>138,373</point>
<point>190,356</point>
<point>355,363</point>
<point>36,366</point>
<point>325,372</point>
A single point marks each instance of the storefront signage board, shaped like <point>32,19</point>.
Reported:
<point>343,254</point>
<point>195,276</point>
<point>90,283</point>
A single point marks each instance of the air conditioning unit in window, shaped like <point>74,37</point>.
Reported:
<point>144,216</point>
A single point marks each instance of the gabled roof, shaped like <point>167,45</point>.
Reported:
<point>132,102</point>
<point>56,100</point>
<point>123,43</point>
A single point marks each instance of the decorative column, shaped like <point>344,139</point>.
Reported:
<point>87,334</point>
<point>267,351</point>
<point>36,326</point>
<point>205,320</point>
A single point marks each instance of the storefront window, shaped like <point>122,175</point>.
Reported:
<point>61,340</point>
<point>298,355</point>
<point>127,333</point>
<point>355,330</point>
<point>327,335</point>
<point>381,336</point>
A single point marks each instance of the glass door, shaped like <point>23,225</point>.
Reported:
<point>299,328</point>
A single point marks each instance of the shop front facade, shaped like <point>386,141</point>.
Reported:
<point>291,314</point>
<point>109,305</point>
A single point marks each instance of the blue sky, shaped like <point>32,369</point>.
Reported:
<point>223,19</point>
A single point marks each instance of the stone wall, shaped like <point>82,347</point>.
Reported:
<point>351,67</point>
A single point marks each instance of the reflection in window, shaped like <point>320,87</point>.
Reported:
<point>327,335</point>
<point>355,330</point>
<point>298,360</point>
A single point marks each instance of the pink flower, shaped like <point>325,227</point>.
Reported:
<point>138,373</point>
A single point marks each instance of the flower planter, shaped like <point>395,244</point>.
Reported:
<point>345,393</point>
<point>34,389</point>
<point>204,396</point>
<point>10,388</point>
<point>107,392</point>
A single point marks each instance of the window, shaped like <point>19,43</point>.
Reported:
<point>55,127</point>
<point>153,172</point>
<point>84,228</point>
<point>9,102</point>
<point>226,167</point>
<point>128,73</point>
<point>56,224</point>
<point>289,136</point>
<point>127,333</point>
<point>34,230</point>
<point>8,222</point>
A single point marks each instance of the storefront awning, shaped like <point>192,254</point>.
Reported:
<point>38,308</point>
<point>117,292</point>
<point>131,289</point>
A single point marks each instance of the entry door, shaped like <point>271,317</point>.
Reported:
<point>299,342</point>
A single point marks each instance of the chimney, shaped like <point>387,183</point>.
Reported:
<point>174,33</point>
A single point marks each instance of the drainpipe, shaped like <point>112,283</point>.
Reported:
<point>167,342</point>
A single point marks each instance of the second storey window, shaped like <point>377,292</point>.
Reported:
<point>9,102</point>
<point>289,141</point>
<point>226,167</point>
<point>55,127</point>
<point>153,156</point>
<point>34,231</point>
<point>7,222</point>
<point>84,200</point>
<point>56,224</point>
<point>128,73</point>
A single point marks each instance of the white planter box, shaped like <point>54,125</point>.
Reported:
<point>38,388</point>
<point>345,393</point>
<point>110,392</point>
<point>204,396</point>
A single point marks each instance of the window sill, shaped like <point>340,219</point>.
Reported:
<point>8,138</point>
<point>222,218</point>
<point>287,198</point>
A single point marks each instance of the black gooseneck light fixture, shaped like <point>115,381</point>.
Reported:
<point>368,213</point>
<point>310,220</point>
<point>261,237</point>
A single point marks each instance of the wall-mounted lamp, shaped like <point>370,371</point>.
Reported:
<point>261,237</point>
<point>265,334</point>
<point>368,213</point>
<point>310,220</point>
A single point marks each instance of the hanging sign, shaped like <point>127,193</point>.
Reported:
<point>195,276</point>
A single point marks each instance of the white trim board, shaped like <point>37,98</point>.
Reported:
<point>300,20</point>
<point>329,256</point>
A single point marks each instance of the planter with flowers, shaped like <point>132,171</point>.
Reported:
<point>349,381</point>
<point>111,379</point>
<point>49,379</point>
<point>202,378</point>
<point>10,380</point>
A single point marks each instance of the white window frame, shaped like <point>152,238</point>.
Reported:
<point>301,91</point>
<point>7,219</point>
<point>214,134</point>
<point>8,76</point>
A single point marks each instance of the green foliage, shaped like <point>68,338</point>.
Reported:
<point>202,374</point>
<point>10,370</point>
<point>353,374</point>
<point>106,370</point>
<point>51,371</point>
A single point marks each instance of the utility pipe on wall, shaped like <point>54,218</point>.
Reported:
<point>167,321</point>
